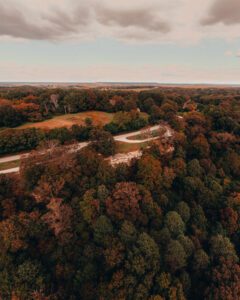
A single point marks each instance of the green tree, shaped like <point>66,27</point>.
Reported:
<point>222,247</point>
<point>102,229</point>
<point>174,223</point>
<point>175,256</point>
<point>149,171</point>
<point>28,279</point>
<point>183,210</point>
<point>103,142</point>
<point>200,260</point>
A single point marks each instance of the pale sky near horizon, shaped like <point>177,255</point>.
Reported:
<point>174,41</point>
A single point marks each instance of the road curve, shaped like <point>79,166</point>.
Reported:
<point>120,138</point>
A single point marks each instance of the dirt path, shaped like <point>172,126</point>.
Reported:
<point>119,138</point>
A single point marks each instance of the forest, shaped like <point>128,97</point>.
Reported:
<point>164,227</point>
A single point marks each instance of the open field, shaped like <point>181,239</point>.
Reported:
<point>9,165</point>
<point>98,118</point>
<point>122,147</point>
<point>144,135</point>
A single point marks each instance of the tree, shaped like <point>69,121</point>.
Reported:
<point>16,140</point>
<point>168,177</point>
<point>187,244</point>
<point>183,210</point>
<point>200,260</point>
<point>12,234</point>
<point>149,171</point>
<point>200,147</point>
<point>229,220</point>
<point>149,250</point>
<point>89,207</point>
<point>194,169</point>
<point>225,280</point>
<point>124,202</point>
<point>114,254</point>
<point>175,256</point>
<point>179,166</point>
<point>28,279</point>
<point>128,232</point>
<point>103,142</point>
<point>10,117</point>
<point>58,219</point>
<point>102,229</point>
<point>222,247</point>
<point>174,223</point>
<point>88,122</point>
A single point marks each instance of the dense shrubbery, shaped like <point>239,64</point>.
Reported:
<point>10,117</point>
<point>165,227</point>
<point>12,140</point>
<point>126,121</point>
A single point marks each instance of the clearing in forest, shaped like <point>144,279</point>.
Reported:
<point>98,118</point>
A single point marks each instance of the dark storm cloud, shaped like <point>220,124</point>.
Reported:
<point>141,18</point>
<point>223,11</point>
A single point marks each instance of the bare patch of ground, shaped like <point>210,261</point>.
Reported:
<point>124,158</point>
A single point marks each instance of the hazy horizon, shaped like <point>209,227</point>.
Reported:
<point>122,83</point>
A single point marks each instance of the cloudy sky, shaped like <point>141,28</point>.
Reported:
<point>168,41</point>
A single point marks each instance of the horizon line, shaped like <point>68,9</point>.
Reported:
<point>119,82</point>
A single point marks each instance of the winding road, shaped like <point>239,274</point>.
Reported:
<point>120,138</point>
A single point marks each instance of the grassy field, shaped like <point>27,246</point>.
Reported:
<point>144,136</point>
<point>98,118</point>
<point>125,147</point>
<point>9,165</point>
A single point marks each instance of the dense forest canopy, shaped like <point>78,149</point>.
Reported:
<point>167,226</point>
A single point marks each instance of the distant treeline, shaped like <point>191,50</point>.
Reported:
<point>19,105</point>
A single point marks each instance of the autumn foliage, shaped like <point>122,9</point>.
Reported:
<point>164,227</point>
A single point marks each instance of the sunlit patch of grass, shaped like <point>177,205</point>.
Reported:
<point>9,165</point>
<point>99,118</point>
<point>144,136</point>
<point>122,147</point>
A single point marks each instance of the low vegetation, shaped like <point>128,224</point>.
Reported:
<point>122,147</point>
<point>9,165</point>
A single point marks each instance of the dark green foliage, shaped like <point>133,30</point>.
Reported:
<point>10,117</point>
<point>103,142</point>
<point>12,140</point>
